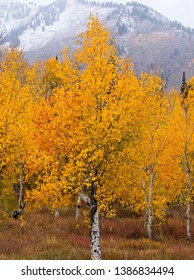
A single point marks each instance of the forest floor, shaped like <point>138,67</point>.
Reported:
<point>38,236</point>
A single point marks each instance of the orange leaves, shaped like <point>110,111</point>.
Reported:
<point>16,128</point>
<point>15,102</point>
<point>88,119</point>
<point>88,116</point>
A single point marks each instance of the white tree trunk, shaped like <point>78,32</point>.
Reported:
<point>95,229</point>
<point>188,227</point>
<point>188,172</point>
<point>78,206</point>
<point>188,221</point>
<point>149,222</point>
<point>95,235</point>
<point>148,199</point>
<point>149,226</point>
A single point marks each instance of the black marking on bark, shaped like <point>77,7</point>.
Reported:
<point>17,213</point>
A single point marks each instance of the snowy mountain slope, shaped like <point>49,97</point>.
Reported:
<point>14,14</point>
<point>43,28</point>
<point>73,19</point>
<point>70,22</point>
<point>31,26</point>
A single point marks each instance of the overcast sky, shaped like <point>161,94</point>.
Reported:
<point>180,10</point>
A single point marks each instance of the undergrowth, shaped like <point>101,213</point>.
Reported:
<point>38,236</point>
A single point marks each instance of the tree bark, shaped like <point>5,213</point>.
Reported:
<point>188,227</point>
<point>78,206</point>
<point>149,226</point>
<point>188,221</point>
<point>84,198</point>
<point>148,193</point>
<point>81,197</point>
<point>95,230</point>
<point>148,200</point>
<point>21,193</point>
<point>94,218</point>
<point>188,173</point>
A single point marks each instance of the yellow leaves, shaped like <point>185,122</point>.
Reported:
<point>49,192</point>
<point>87,119</point>
<point>16,108</point>
<point>106,196</point>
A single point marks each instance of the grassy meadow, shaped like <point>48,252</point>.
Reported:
<point>38,236</point>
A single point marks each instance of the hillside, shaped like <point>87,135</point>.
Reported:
<point>152,41</point>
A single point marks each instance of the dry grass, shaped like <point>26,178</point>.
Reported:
<point>123,238</point>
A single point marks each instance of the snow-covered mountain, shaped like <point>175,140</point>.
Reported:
<point>36,24</point>
<point>42,28</point>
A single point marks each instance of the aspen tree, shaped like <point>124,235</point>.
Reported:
<point>15,120</point>
<point>89,118</point>
<point>141,174</point>
<point>183,144</point>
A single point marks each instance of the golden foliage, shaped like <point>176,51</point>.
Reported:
<point>88,120</point>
